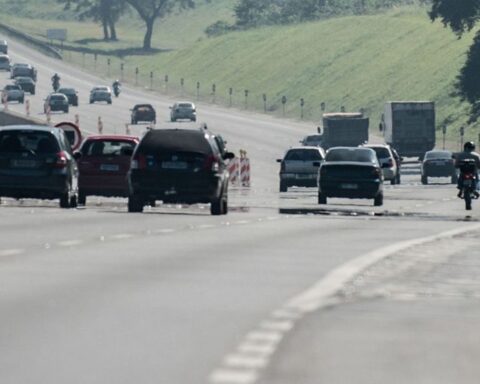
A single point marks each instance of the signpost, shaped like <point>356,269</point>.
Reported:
<point>72,131</point>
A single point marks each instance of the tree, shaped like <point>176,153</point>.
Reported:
<point>151,10</point>
<point>106,12</point>
<point>461,16</point>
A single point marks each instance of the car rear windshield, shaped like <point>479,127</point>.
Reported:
<point>362,155</point>
<point>67,91</point>
<point>438,155</point>
<point>57,97</point>
<point>11,87</point>
<point>382,152</point>
<point>28,141</point>
<point>158,141</point>
<point>184,105</point>
<point>303,155</point>
<point>107,147</point>
<point>4,59</point>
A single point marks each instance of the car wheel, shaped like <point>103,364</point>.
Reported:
<point>322,199</point>
<point>194,119</point>
<point>109,101</point>
<point>22,100</point>
<point>66,110</point>
<point>82,198</point>
<point>398,178</point>
<point>65,200</point>
<point>424,180</point>
<point>378,200</point>
<point>73,201</point>
<point>135,204</point>
<point>218,205</point>
<point>283,186</point>
<point>172,119</point>
<point>153,203</point>
<point>393,181</point>
<point>33,92</point>
<point>91,101</point>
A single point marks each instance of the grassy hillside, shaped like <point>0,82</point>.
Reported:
<point>175,31</point>
<point>356,62</point>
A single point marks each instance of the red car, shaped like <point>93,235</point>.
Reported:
<point>103,162</point>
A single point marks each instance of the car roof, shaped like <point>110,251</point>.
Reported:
<point>26,127</point>
<point>142,105</point>
<point>57,94</point>
<point>176,139</point>
<point>112,137</point>
<point>185,102</point>
<point>66,89</point>
<point>20,78</point>
<point>305,147</point>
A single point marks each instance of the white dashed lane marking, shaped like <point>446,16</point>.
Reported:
<point>11,252</point>
<point>69,243</point>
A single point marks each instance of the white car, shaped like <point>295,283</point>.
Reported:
<point>386,158</point>
<point>101,93</point>
<point>13,92</point>
<point>4,63</point>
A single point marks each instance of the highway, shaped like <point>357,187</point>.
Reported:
<point>277,291</point>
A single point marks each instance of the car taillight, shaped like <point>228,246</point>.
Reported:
<point>468,176</point>
<point>282,166</point>
<point>390,163</point>
<point>61,161</point>
<point>211,163</point>
<point>138,162</point>
<point>377,172</point>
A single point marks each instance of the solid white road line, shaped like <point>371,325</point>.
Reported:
<point>11,252</point>
<point>230,376</point>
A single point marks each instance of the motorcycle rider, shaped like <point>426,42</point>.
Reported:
<point>468,153</point>
<point>116,86</point>
<point>55,80</point>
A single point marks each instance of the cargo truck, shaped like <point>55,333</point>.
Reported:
<point>409,127</point>
<point>344,129</point>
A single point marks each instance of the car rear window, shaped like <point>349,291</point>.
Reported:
<point>11,87</point>
<point>57,97</point>
<point>438,155</point>
<point>382,152</point>
<point>4,59</point>
<point>362,155</point>
<point>67,91</point>
<point>185,105</point>
<point>106,147</point>
<point>303,155</point>
<point>174,140</point>
<point>28,141</point>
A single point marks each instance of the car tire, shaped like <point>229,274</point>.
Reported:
<point>65,200</point>
<point>378,200</point>
<point>109,101</point>
<point>398,179</point>
<point>82,198</point>
<point>322,199</point>
<point>22,100</point>
<point>424,180</point>
<point>152,203</point>
<point>91,101</point>
<point>135,204</point>
<point>33,92</point>
<point>283,186</point>
<point>393,181</point>
<point>65,110</point>
<point>217,207</point>
<point>194,119</point>
<point>73,201</point>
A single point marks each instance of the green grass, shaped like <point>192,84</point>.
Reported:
<point>177,30</point>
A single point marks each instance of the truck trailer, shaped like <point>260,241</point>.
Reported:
<point>344,129</point>
<point>409,127</point>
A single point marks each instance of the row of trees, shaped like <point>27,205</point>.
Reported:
<point>108,12</point>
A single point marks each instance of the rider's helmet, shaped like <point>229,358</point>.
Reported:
<point>469,146</point>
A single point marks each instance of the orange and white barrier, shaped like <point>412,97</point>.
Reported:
<point>27,107</point>
<point>48,114</point>
<point>77,120</point>
<point>127,129</point>
<point>100,125</point>
<point>239,169</point>
<point>5,101</point>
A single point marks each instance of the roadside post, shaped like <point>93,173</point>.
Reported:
<point>198,90</point>
<point>166,84</point>
<point>47,113</point>
<point>462,135</point>
<point>284,102</point>
<point>27,107</point>
<point>136,76</point>
<point>214,90</point>
<point>5,101</point>
<point>122,67</point>
<point>444,133</point>
<point>127,129</point>
<point>342,108</point>
<point>151,80</point>
<point>100,125</point>
<point>95,57</point>
<point>264,97</point>
<point>182,86</point>
<point>302,104</point>
<point>230,93</point>
<point>323,106</point>
<point>108,66</point>
<point>246,98</point>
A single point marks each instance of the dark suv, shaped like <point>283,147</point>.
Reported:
<point>143,112</point>
<point>37,162</point>
<point>179,166</point>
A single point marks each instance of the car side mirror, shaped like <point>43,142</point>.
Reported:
<point>170,107</point>
<point>77,155</point>
<point>228,156</point>
<point>316,164</point>
<point>279,160</point>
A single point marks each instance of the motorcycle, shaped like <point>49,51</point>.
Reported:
<point>468,182</point>
<point>55,84</point>
<point>116,90</point>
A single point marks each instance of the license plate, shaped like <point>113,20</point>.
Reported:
<point>21,163</point>
<point>467,183</point>
<point>349,186</point>
<point>304,176</point>
<point>109,167</point>
<point>174,165</point>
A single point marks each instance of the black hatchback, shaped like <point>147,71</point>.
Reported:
<point>37,162</point>
<point>143,112</point>
<point>179,166</point>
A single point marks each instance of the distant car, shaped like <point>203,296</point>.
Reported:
<point>56,102</point>
<point>299,167</point>
<point>4,63</point>
<point>13,92</point>
<point>183,110</point>
<point>24,70</point>
<point>101,93</point>
<point>37,162</point>
<point>3,46</point>
<point>351,172</point>
<point>386,158</point>
<point>72,95</point>
<point>26,83</point>
<point>103,162</point>
<point>179,166</point>
<point>438,163</point>
<point>312,140</point>
<point>143,112</point>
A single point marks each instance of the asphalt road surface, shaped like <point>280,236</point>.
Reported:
<point>277,291</point>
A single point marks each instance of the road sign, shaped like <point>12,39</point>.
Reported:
<point>72,132</point>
